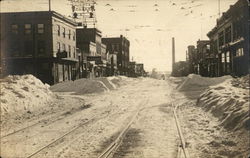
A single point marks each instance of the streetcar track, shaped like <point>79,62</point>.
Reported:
<point>46,121</point>
<point>182,147</point>
<point>111,149</point>
<point>61,137</point>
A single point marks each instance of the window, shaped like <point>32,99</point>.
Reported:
<point>40,28</point>
<point>228,34</point>
<point>239,52</point>
<point>64,32</point>
<point>223,58</point>
<point>74,52</point>
<point>221,39</point>
<point>74,36</point>
<point>69,34</point>
<point>28,48</point>
<point>63,47</point>
<point>58,30</point>
<point>228,57</point>
<point>14,29</point>
<point>27,28</point>
<point>40,47</point>
<point>58,46</point>
<point>69,48</point>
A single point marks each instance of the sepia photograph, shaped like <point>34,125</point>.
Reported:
<point>125,79</point>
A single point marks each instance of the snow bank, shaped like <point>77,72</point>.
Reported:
<point>229,101</point>
<point>196,82</point>
<point>23,93</point>
<point>86,86</point>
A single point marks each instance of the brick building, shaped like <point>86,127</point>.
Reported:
<point>42,43</point>
<point>229,41</point>
<point>89,41</point>
<point>192,59</point>
<point>121,46</point>
<point>203,50</point>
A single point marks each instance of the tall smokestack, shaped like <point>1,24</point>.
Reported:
<point>173,53</point>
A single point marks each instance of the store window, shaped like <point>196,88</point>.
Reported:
<point>228,57</point>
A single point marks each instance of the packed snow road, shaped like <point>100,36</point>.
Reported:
<point>134,119</point>
<point>86,125</point>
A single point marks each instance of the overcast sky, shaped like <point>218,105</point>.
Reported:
<point>148,24</point>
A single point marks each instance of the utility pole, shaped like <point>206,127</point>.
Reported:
<point>173,53</point>
<point>49,5</point>
<point>219,7</point>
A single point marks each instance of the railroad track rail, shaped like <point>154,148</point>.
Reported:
<point>46,121</point>
<point>182,151</point>
<point>61,137</point>
<point>111,149</point>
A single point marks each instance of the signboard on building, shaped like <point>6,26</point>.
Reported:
<point>96,59</point>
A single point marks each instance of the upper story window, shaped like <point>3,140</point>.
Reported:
<point>14,29</point>
<point>40,28</point>
<point>63,47</point>
<point>69,48</point>
<point>239,52</point>
<point>58,30</point>
<point>27,28</point>
<point>69,34</point>
<point>74,35</point>
<point>58,46</point>
<point>74,52</point>
<point>221,38</point>
<point>41,47</point>
<point>228,34</point>
<point>64,32</point>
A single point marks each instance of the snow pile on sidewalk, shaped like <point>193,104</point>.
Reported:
<point>86,86</point>
<point>23,93</point>
<point>196,82</point>
<point>229,101</point>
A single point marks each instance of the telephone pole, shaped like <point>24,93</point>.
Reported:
<point>219,7</point>
<point>173,53</point>
<point>49,5</point>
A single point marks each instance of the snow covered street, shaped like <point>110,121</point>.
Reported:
<point>85,125</point>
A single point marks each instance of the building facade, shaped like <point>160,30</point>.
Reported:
<point>41,43</point>
<point>229,41</point>
<point>192,59</point>
<point>89,41</point>
<point>203,50</point>
<point>121,46</point>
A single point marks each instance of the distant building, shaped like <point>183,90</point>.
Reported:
<point>120,45</point>
<point>230,41</point>
<point>132,69</point>
<point>89,42</point>
<point>139,70</point>
<point>192,59</point>
<point>203,50</point>
<point>42,43</point>
<point>180,68</point>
